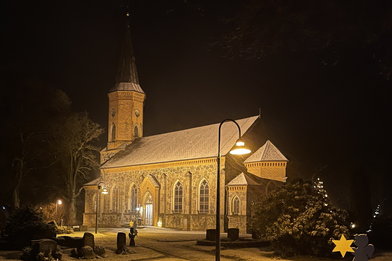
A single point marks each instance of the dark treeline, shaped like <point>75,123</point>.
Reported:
<point>47,150</point>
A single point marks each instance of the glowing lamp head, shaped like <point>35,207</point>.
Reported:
<point>105,191</point>
<point>59,202</point>
<point>240,149</point>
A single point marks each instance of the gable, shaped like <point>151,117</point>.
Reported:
<point>267,152</point>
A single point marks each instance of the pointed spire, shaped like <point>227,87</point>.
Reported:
<point>127,78</point>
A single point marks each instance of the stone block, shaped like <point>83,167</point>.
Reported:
<point>121,243</point>
<point>233,234</point>
<point>88,240</point>
<point>211,234</point>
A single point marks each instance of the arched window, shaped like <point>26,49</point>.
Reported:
<point>133,198</point>
<point>115,199</point>
<point>178,196</point>
<point>113,132</point>
<point>94,202</point>
<point>236,206</point>
<point>204,194</point>
<point>136,132</point>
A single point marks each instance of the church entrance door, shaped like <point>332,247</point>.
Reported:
<point>148,214</point>
<point>148,210</point>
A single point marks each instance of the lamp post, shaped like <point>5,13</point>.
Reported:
<point>58,202</point>
<point>239,149</point>
<point>104,191</point>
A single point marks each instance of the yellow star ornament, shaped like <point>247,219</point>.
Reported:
<point>342,245</point>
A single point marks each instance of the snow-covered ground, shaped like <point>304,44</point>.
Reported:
<point>167,244</point>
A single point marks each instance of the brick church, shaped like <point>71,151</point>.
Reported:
<point>169,179</point>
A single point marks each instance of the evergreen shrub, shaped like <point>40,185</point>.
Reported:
<point>26,224</point>
<point>299,220</point>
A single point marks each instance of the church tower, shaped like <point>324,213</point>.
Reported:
<point>126,99</point>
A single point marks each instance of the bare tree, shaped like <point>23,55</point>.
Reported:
<point>79,156</point>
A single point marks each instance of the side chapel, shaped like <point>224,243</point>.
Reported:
<point>169,179</point>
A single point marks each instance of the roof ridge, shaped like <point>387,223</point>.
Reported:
<point>264,152</point>
<point>266,144</point>
<point>227,141</point>
<point>247,118</point>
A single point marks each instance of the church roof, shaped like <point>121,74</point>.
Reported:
<point>127,78</point>
<point>94,182</point>
<point>267,152</point>
<point>194,143</point>
<point>242,179</point>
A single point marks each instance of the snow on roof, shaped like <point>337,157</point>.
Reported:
<point>194,143</point>
<point>267,152</point>
<point>242,179</point>
<point>127,86</point>
<point>93,182</point>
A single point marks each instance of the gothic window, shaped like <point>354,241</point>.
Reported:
<point>94,203</point>
<point>204,194</point>
<point>105,203</point>
<point>136,132</point>
<point>236,206</point>
<point>115,199</point>
<point>133,198</point>
<point>178,197</point>
<point>113,132</point>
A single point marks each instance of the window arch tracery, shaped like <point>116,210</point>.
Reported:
<point>203,197</point>
<point>178,197</point>
<point>133,205</point>
<point>236,206</point>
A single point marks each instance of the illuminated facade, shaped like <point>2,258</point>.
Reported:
<point>170,179</point>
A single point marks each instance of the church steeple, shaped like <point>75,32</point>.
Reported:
<point>127,78</point>
<point>126,99</point>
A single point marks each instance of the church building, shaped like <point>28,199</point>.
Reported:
<point>169,179</point>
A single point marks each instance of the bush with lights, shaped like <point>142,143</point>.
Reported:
<point>299,219</point>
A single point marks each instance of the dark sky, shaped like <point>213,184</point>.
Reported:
<point>326,120</point>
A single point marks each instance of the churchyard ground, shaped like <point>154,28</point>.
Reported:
<point>166,244</point>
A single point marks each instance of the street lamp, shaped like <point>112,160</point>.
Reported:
<point>239,149</point>
<point>104,191</point>
<point>58,202</point>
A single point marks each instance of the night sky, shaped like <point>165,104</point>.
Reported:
<point>329,121</point>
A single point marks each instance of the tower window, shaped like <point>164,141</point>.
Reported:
<point>136,131</point>
<point>236,206</point>
<point>178,196</point>
<point>204,194</point>
<point>133,198</point>
<point>113,132</point>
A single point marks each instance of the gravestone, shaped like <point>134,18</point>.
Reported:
<point>211,234</point>
<point>46,246</point>
<point>88,240</point>
<point>45,249</point>
<point>233,234</point>
<point>121,243</point>
<point>71,242</point>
